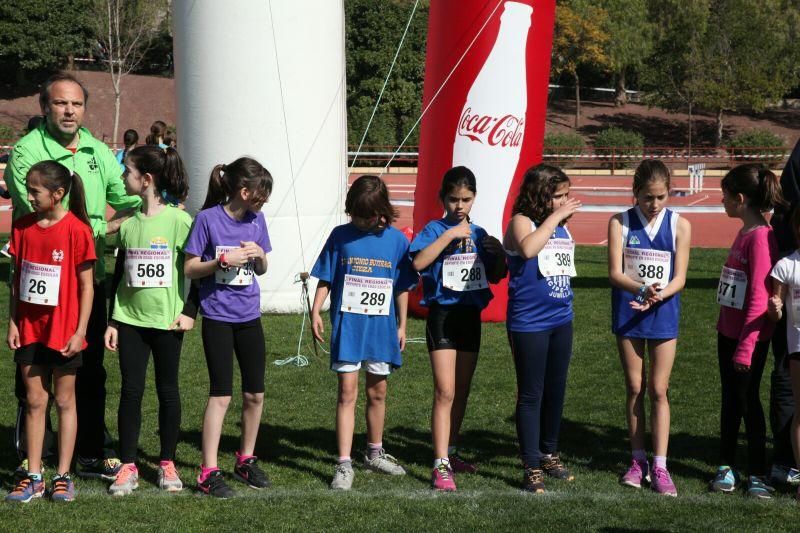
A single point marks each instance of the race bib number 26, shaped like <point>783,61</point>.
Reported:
<point>39,284</point>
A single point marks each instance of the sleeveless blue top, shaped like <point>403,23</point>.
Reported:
<point>661,320</point>
<point>535,302</point>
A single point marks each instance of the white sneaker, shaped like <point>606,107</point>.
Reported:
<point>384,464</point>
<point>168,479</point>
<point>783,475</point>
<point>343,476</point>
<point>126,482</point>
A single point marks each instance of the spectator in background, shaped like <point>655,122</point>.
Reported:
<point>158,131</point>
<point>171,138</point>
<point>33,123</point>
<point>129,139</point>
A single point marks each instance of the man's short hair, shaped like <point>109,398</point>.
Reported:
<point>44,94</point>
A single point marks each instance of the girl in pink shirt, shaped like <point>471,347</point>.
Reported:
<point>744,330</point>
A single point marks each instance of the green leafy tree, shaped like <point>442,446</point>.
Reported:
<point>630,41</point>
<point>579,40</point>
<point>373,31</point>
<point>44,34</point>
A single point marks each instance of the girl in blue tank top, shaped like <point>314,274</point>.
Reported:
<point>648,256</point>
<point>541,261</point>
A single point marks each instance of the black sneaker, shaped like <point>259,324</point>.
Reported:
<point>251,475</point>
<point>533,480</point>
<point>553,467</point>
<point>215,486</point>
<point>98,468</point>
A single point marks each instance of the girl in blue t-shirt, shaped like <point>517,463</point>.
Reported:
<point>226,250</point>
<point>366,269</point>
<point>648,256</point>
<point>457,261</point>
<point>541,261</point>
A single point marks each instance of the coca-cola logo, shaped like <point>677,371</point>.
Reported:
<point>505,131</point>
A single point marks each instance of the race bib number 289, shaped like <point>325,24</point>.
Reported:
<point>366,296</point>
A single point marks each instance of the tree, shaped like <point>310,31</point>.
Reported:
<point>126,29</point>
<point>669,75</point>
<point>630,41</point>
<point>43,34</point>
<point>373,31</point>
<point>579,40</point>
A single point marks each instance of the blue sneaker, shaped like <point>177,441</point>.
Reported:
<point>758,488</point>
<point>784,475</point>
<point>63,489</point>
<point>724,480</point>
<point>25,490</point>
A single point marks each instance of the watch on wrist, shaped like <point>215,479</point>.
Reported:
<point>222,263</point>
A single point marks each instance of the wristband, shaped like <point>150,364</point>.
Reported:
<point>222,263</point>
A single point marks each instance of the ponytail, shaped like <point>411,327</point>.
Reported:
<point>216,188</point>
<point>166,167</point>
<point>757,183</point>
<point>227,180</point>
<point>77,199</point>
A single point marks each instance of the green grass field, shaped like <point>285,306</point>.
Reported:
<point>297,442</point>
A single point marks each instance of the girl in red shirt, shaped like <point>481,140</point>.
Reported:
<point>51,299</point>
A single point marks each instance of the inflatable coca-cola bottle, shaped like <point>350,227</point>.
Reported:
<point>487,68</point>
<point>492,124</point>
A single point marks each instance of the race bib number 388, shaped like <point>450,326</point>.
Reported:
<point>39,284</point>
<point>366,296</point>
<point>145,267</point>
<point>648,266</point>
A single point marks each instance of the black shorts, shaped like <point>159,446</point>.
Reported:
<point>794,356</point>
<point>40,355</point>
<point>453,327</point>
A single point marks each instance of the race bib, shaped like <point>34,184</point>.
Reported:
<point>464,272</point>
<point>648,266</point>
<point>557,258</point>
<point>145,267</point>
<point>366,296</point>
<point>242,275</point>
<point>39,284</point>
<point>732,286</point>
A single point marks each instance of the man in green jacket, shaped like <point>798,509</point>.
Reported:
<point>61,137</point>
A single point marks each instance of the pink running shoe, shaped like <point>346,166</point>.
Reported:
<point>636,474</point>
<point>442,478</point>
<point>459,465</point>
<point>662,482</point>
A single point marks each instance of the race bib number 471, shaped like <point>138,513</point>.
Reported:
<point>39,284</point>
<point>732,286</point>
<point>366,296</point>
<point>146,267</point>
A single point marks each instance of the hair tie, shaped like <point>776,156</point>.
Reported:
<point>223,167</point>
<point>169,198</point>
<point>71,173</point>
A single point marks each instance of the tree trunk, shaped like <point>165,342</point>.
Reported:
<point>718,137</point>
<point>117,98</point>
<point>620,96</point>
<point>70,62</point>
<point>690,128</point>
<point>577,100</point>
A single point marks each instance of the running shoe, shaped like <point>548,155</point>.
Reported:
<point>758,488</point>
<point>26,490</point>
<point>662,482</point>
<point>214,485</point>
<point>384,464</point>
<point>460,466</point>
<point>21,472</point>
<point>98,468</point>
<point>553,467</point>
<point>126,482</point>
<point>63,489</point>
<point>251,475</point>
<point>343,476</point>
<point>724,481</point>
<point>533,480</point>
<point>637,474</point>
<point>442,478</point>
<point>168,479</point>
<point>784,475</point>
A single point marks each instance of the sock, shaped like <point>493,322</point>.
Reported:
<point>344,459</point>
<point>660,461</point>
<point>36,476</point>
<point>240,458</point>
<point>442,460</point>
<point>205,472</point>
<point>374,450</point>
<point>452,450</point>
<point>640,456</point>
<point>132,466</point>
<point>164,463</point>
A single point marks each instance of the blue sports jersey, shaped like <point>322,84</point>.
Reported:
<point>433,290</point>
<point>535,302</point>
<point>351,251</point>
<point>661,320</point>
